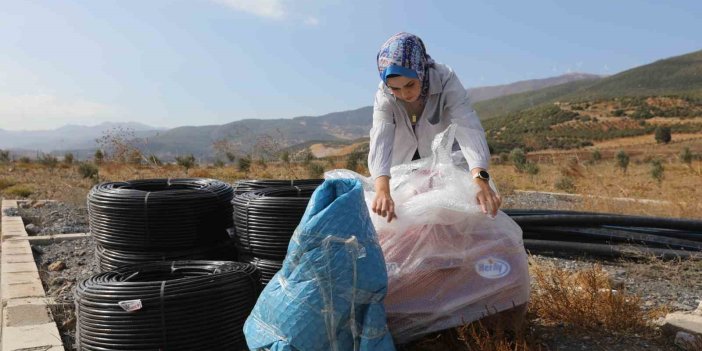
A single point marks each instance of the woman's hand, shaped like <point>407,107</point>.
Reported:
<point>382,203</point>
<point>489,201</point>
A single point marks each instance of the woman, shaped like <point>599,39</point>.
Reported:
<point>417,99</point>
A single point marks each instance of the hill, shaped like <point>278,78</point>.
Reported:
<point>664,93</point>
<point>68,137</point>
<point>492,92</point>
<point>680,75</point>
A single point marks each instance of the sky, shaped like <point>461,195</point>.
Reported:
<point>169,63</point>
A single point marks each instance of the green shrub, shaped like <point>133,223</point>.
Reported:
<point>218,163</point>
<point>154,160</point>
<point>99,156</point>
<point>596,155</point>
<point>352,161</point>
<point>504,157</point>
<point>623,160</point>
<point>642,113</point>
<point>48,160</point>
<point>186,161</point>
<point>518,158</point>
<point>4,156</point>
<point>663,135</point>
<point>315,170</point>
<point>88,170</point>
<point>618,113</point>
<point>686,156</point>
<point>244,164</point>
<point>565,184</point>
<point>531,168</point>
<point>285,157</point>
<point>657,170</point>
<point>25,160</point>
<point>68,158</point>
<point>19,191</point>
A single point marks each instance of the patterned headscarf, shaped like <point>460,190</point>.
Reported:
<point>405,52</point>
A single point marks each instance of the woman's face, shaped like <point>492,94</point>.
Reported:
<point>404,88</point>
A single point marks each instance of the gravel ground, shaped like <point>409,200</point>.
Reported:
<point>53,218</point>
<point>672,284</point>
<point>79,262</point>
<point>538,200</point>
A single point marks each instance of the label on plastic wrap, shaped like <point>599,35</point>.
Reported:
<point>130,305</point>
<point>492,267</point>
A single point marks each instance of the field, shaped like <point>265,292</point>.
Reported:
<point>556,316</point>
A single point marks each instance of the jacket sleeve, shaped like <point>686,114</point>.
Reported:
<point>469,132</point>
<point>382,136</point>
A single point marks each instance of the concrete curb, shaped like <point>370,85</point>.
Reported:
<point>27,323</point>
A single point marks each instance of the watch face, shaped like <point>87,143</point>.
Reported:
<point>484,175</point>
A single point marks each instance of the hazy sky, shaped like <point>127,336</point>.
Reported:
<point>194,62</point>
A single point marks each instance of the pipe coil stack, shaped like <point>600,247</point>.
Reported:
<point>244,186</point>
<point>265,219</point>
<point>186,305</point>
<point>160,219</point>
<point>602,234</point>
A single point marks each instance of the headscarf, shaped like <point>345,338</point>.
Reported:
<point>405,54</point>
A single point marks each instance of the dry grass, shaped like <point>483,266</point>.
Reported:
<point>19,191</point>
<point>476,337</point>
<point>6,183</point>
<point>679,192</point>
<point>585,301</point>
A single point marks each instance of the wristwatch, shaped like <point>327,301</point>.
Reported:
<point>484,175</point>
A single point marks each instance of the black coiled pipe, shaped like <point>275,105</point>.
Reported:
<point>243,186</point>
<point>268,268</point>
<point>604,234</point>
<point>266,219</point>
<point>109,259</point>
<point>184,305</point>
<point>160,214</point>
<point>604,250</point>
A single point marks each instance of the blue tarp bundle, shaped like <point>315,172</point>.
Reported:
<point>329,293</point>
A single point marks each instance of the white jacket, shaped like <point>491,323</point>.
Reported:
<point>393,142</point>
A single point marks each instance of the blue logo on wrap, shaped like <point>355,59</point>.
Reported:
<point>492,267</point>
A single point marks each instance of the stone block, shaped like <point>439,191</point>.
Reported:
<point>686,322</point>
<point>31,337</point>
<point>22,289</point>
<point>26,311</point>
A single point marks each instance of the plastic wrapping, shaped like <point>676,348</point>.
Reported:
<point>447,262</point>
<point>329,293</point>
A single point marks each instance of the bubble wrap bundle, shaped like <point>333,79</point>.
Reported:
<point>447,262</point>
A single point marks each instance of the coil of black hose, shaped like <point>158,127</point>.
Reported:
<point>180,305</point>
<point>607,219</point>
<point>268,268</point>
<point>160,214</point>
<point>605,250</point>
<point>266,219</point>
<point>109,259</point>
<point>243,186</point>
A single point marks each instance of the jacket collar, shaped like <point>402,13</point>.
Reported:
<point>435,85</point>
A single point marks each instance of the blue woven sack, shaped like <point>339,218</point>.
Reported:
<point>329,293</point>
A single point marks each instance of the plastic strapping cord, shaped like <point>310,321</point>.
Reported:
<point>352,242</point>
<point>163,315</point>
<point>146,214</point>
<point>77,302</point>
<point>248,232</point>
